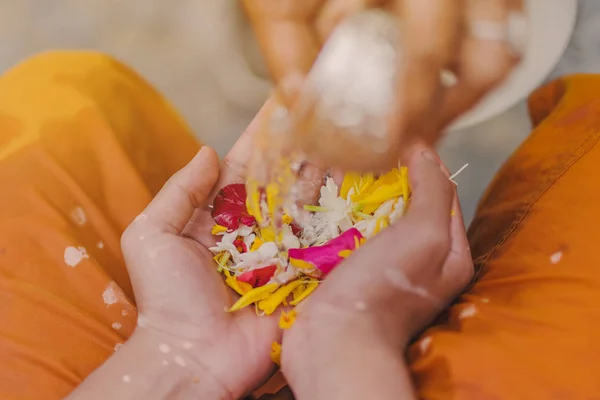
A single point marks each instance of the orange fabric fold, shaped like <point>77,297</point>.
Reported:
<point>84,145</point>
<point>528,326</point>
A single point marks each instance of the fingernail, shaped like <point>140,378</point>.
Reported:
<point>429,155</point>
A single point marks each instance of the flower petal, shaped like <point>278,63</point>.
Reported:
<point>217,229</point>
<point>276,353</point>
<point>240,245</point>
<point>258,277</point>
<point>287,319</point>
<point>229,207</point>
<point>270,304</point>
<point>351,180</point>
<point>253,296</point>
<point>307,289</point>
<point>240,287</point>
<point>253,200</point>
<point>326,257</point>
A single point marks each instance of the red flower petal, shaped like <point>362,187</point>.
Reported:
<point>240,245</point>
<point>258,277</point>
<point>296,230</point>
<point>326,257</point>
<point>229,207</point>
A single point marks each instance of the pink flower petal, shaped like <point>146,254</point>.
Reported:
<point>326,257</point>
<point>258,277</point>
<point>229,207</point>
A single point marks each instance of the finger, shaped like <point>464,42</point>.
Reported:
<point>430,37</point>
<point>432,191</point>
<point>458,266</point>
<point>185,191</point>
<point>287,39</point>
<point>483,62</point>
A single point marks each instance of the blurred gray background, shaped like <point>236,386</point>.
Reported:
<point>186,49</point>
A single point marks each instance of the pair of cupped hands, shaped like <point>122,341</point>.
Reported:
<point>364,314</point>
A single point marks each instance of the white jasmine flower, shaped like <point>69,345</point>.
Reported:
<point>289,240</point>
<point>288,274</point>
<point>249,240</point>
<point>398,211</point>
<point>328,223</point>
<point>244,230</point>
<point>368,226</point>
<point>226,244</point>
<point>266,254</point>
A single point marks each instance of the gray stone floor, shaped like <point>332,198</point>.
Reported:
<point>170,42</point>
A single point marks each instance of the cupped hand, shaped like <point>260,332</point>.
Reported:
<point>180,295</point>
<point>358,322</point>
<point>465,37</point>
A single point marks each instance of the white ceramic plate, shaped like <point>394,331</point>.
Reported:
<point>552,23</point>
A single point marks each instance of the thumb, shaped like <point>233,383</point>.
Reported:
<point>158,263</point>
<point>185,191</point>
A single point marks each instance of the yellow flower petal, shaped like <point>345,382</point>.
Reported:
<point>351,180</point>
<point>254,295</point>
<point>253,200</point>
<point>301,264</point>
<point>256,244</point>
<point>270,304</point>
<point>287,319</point>
<point>267,234</point>
<point>310,287</point>
<point>240,287</point>
<point>405,185</point>
<point>286,219</point>
<point>366,181</point>
<point>345,253</point>
<point>216,229</point>
<point>390,178</point>
<point>375,192</point>
<point>276,353</point>
<point>379,196</point>
<point>222,258</point>
<point>273,199</point>
<point>298,291</point>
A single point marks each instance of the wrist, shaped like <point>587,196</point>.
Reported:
<point>321,365</point>
<point>190,376</point>
<point>146,367</point>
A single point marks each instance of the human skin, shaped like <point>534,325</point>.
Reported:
<point>435,37</point>
<point>350,337</point>
<point>181,298</point>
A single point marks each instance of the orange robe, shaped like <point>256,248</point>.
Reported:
<point>85,144</point>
